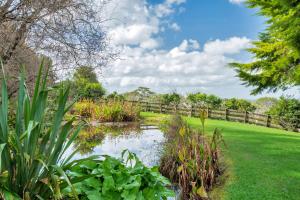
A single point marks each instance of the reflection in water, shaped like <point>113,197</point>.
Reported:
<point>144,141</point>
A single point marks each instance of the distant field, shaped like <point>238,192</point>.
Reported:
<point>263,163</point>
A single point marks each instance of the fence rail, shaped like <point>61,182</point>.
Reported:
<point>222,114</point>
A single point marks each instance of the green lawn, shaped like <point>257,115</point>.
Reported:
<point>263,163</point>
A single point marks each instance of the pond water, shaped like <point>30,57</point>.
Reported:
<point>145,141</point>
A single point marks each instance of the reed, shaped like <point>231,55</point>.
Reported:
<point>191,159</point>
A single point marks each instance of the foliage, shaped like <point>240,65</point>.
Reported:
<point>70,31</point>
<point>86,73</point>
<point>264,104</point>
<point>112,111</point>
<point>115,97</point>
<point>31,150</point>
<point>113,179</point>
<point>141,93</point>
<point>190,159</point>
<point>202,99</point>
<point>239,104</point>
<point>277,53</point>
<point>172,98</point>
<point>85,83</point>
<point>288,109</point>
<point>33,163</point>
<point>256,156</point>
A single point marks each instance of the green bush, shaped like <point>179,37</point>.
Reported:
<point>239,104</point>
<point>202,99</point>
<point>288,110</point>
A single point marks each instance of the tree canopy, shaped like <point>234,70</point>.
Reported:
<point>277,52</point>
<point>86,84</point>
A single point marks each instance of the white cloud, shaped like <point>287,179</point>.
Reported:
<point>231,46</point>
<point>166,8</point>
<point>135,22</point>
<point>184,67</point>
<point>175,27</point>
<point>237,1</point>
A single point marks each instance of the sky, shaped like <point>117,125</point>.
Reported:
<point>180,45</point>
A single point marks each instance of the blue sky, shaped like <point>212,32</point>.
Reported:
<point>213,19</point>
<point>181,45</point>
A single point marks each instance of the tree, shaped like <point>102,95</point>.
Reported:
<point>85,83</point>
<point>172,98</point>
<point>115,96</point>
<point>85,73</point>
<point>288,109</point>
<point>202,99</point>
<point>141,93</point>
<point>239,104</point>
<point>68,30</point>
<point>197,98</point>
<point>264,104</point>
<point>277,52</point>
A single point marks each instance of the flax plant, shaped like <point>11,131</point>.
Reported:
<point>32,151</point>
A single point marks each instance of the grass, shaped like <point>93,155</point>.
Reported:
<point>263,163</point>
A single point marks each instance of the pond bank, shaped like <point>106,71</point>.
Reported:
<point>263,163</point>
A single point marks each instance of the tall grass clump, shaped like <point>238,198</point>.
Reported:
<point>31,150</point>
<point>191,160</point>
<point>111,111</point>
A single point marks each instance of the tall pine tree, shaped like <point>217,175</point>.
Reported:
<point>277,52</point>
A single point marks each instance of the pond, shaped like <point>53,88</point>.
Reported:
<point>145,141</point>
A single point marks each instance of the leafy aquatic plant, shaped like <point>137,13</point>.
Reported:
<point>114,179</point>
<point>190,159</point>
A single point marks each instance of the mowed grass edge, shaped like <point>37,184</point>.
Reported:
<point>262,163</point>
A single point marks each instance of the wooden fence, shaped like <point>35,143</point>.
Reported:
<point>222,114</point>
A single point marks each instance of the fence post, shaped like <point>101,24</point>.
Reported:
<point>175,108</point>
<point>226,113</point>
<point>268,120</point>
<point>246,117</point>
<point>192,111</point>
<point>208,112</point>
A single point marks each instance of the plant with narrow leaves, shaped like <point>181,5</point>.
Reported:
<point>190,159</point>
<point>32,151</point>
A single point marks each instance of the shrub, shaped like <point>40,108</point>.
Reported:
<point>288,109</point>
<point>202,99</point>
<point>190,159</point>
<point>239,104</point>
